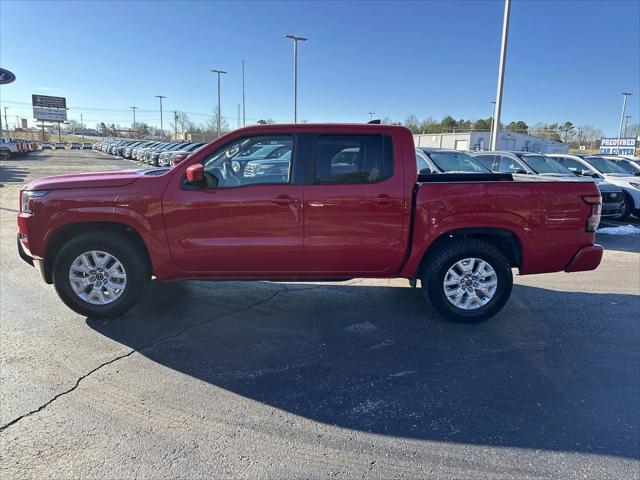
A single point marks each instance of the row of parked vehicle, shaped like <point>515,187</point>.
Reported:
<point>13,147</point>
<point>67,146</point>
<point>159,154</point>
<point>617,177</point>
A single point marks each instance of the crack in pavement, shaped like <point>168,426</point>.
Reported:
<point>136,350</point>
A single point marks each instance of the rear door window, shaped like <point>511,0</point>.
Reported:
<point>353,159</point>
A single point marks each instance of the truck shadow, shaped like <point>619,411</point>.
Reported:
<point>554,371</point>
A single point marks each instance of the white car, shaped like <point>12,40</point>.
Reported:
<point>629,164</point>
<point>603,168</point>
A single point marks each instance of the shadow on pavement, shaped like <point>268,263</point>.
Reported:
<point>554,371</point>
<point>12,174</point>
<point>620,243</point>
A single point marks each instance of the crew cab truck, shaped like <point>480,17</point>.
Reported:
<point>350,204</point>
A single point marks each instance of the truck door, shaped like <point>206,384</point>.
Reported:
<point>238,222</point>
<point>353,206</point>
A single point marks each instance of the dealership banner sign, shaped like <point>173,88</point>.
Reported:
<point>610,146</point>
<point>49,109</point>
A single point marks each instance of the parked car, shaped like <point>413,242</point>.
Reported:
<point>75,146</point>
<point>353,206</point>
<point>528,163</point>
<point>45,146</point>
<point>631,165</point>
<point>601,168</point>
<point>437,160</point>
<point>9,148</point>
<point>58,146</point>
<point>180,155</point>
<point>86,146</point>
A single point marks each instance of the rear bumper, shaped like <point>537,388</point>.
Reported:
<point>587,258</point>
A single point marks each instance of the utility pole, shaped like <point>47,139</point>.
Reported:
<point>244,118</point>
<point>161,124</point>
<point>17,122</point>
<point>624,107</point>
<point>371,114</point>
<point>6,123</point>
<point>219,72</point>
<point>295,39</point>
<point>134,120</point>
<point>238,115</point>
<point>59,134</point>
<point>503,57</point>
<point>82,127</point>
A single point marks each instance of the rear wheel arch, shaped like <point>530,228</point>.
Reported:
<point>66,232</point>
<point>506,241</point>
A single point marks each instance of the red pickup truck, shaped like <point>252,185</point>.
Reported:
<point>305,203</point>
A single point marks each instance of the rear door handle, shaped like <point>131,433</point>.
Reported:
<point>383,200</point>
<point>283,200</point>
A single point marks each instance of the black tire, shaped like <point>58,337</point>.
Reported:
<point>130,255</point>
<point>444,258</point>
<point>627,207</point>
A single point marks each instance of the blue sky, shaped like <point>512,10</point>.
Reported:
<point>567,60</point>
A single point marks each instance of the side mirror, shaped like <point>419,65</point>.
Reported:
<point>426,171</point>
<point>520,172</point>
<point>195,174</point>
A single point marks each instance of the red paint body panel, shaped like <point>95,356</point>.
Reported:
<point>305,230</point>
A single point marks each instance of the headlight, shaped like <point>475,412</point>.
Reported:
<point>635,185</point>
<point>27,195</point>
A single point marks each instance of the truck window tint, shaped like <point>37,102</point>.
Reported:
<point>353,159</point>
<point>251,160</point>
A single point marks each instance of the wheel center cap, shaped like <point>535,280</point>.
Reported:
<point>99,276</point>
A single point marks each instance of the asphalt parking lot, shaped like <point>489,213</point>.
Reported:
<point>279,380</point>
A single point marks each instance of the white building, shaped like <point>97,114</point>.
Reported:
<point>482,140</point>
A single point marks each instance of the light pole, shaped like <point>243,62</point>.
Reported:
<point>626,120</point>
<point>175,125</point>
<point>371,114</point>
<point>219,72</point>
<point>624,107</point>
<point>160,97</point>
<point>493,114</point>
<point>295,39</point>
<point>6,123</point>
<point>503,58</point>
<point>82,128</point>
<point>244,118</point>
<point>134,119</point>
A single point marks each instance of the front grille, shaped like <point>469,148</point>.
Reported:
<point>250,170</point>
<point>611,197</point>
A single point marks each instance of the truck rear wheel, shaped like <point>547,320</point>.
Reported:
<point>467,280</point>
<point>100,275</point>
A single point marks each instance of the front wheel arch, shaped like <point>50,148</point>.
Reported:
<point>66,232</point>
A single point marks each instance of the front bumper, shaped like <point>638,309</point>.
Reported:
<point>587,258</point>
<point>26,255</point>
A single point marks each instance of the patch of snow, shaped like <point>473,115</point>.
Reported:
<point>621,230</point>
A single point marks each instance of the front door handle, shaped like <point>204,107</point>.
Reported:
<point>383,200</point>
<point>283,200</point>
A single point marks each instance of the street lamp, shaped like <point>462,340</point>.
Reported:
<point>295,39</point>
<point>219,72</point>
<point>371,114</point>
<point>626,120</point>
<point>160,97</point>
<point>624,107</point>
<point>503,58</point>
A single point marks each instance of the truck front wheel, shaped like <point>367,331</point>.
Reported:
<point>467,280</point>
<point>100,274</point>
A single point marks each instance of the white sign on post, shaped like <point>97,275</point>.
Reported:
<point>50,114</point>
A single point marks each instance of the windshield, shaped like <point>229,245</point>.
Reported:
<point>628,166</point>
<point>542,164</point>
<point>605,166</point>
<point>457,162</point>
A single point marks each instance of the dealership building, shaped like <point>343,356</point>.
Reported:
<point>482,140</point>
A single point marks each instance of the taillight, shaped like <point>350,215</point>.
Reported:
<point>595,210</point>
